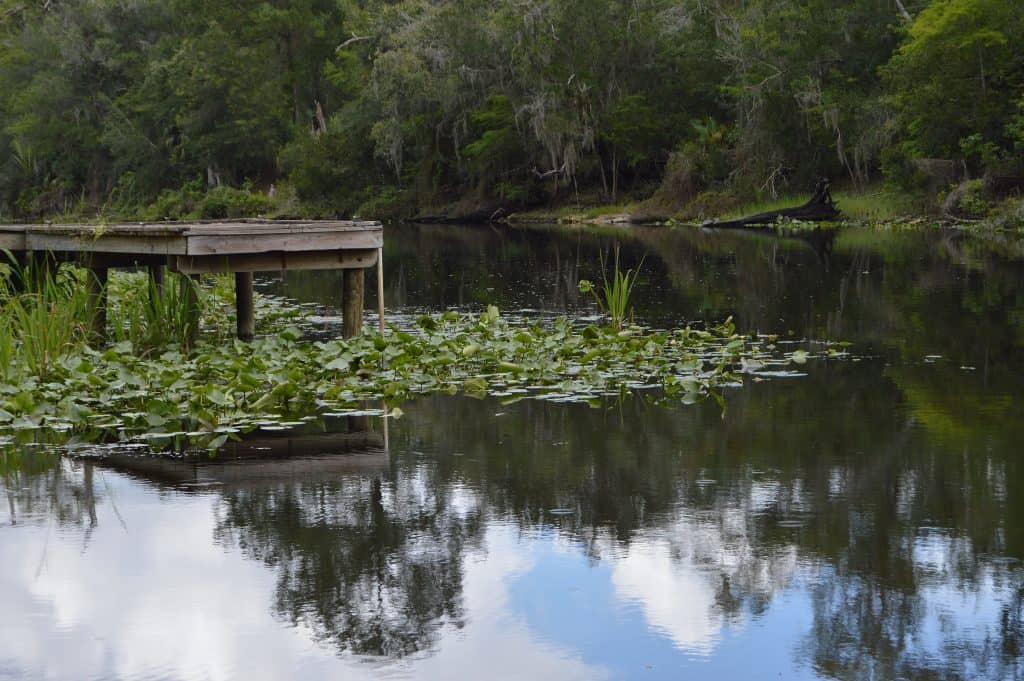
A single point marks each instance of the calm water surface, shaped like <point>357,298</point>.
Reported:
<point>864,521</point>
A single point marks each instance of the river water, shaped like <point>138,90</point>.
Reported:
<point>863,521</point>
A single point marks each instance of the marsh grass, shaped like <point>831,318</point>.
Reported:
<point>43,316</point>
<point>152,317</point>
<point>613,298</point>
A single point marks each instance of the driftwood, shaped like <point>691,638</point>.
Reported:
<point>820,208</point>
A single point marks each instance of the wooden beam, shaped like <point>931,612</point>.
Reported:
<point>352,296</point>
<point>277,242</point>
<point>112,243</point>
<point>12,237</point>
<point>244,311</point>
<point>280,227</point>
<point>98,302</point>
<point>275,262</point>
<point>111,261</point>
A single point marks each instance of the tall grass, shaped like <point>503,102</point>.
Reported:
<point>613,297</point>
<point>152,316</point>
<point>44,315</point>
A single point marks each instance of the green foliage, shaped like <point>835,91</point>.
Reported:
<point>43,316</point>
<point>192,202</point>
<point>162,393</point>
<point>957,79</point>
<point>613,299</point>
<point>152,317</point>
<point>382,107</point>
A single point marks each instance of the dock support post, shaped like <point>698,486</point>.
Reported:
<point>244,310</point>
<point>353,288</point>
<point>190,286</point>
<point>98,302</point>
<point>158,277</point>
<point>19,275</point>
<point>380,289</point>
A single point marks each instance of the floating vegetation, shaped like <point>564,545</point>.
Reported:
<point>224,387</point>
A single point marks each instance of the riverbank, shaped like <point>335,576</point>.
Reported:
<point>969,206</point>
<point>878,206</point>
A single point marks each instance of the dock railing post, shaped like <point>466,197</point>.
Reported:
<point>244,310</point>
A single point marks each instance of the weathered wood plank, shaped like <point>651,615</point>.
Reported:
<point>106,243</point>
<point>267,243</point>
<point>110,260</point>
<point>94,231</point>
<point>233,229</point>
<point>12,240</point>
<point>275,262</point>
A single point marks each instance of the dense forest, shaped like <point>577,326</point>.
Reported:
<point>164,108</point>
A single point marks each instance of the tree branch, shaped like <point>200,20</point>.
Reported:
<point>901,8</point>
<point>546,175</point>
<point>352,41</point>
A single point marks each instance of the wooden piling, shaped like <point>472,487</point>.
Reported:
<point>244,309</point>
<point>190,286</point>
<point>157,274</point>
<point>98,302</point>
<point>352,296</point>
<point>380,290</point>
<point>19,275</point>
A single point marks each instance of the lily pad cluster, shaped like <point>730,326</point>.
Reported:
<point>226,387</point>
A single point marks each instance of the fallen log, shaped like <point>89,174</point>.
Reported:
<point>820,208</point>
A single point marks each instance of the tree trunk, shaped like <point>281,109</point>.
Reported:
<point>615,177</point>
<point>820,208</point>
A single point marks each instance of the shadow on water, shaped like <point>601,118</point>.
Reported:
<point>876,501</point>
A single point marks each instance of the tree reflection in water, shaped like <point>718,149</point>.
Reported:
<point>43,488</point>
<point>372,567</point>
<point>885,492</point>
<point>904,541</point>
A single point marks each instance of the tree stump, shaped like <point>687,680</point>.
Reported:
<point>820,208</point>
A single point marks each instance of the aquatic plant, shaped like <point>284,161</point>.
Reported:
<point>41,323</point>
<point>148,386</point>
<point>153,316</point>
<point>226,387</point>
<point>614,296</point>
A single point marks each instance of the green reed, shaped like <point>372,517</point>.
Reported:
<point>614,296</point>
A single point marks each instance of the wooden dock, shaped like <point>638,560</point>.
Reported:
<point>241,247</point>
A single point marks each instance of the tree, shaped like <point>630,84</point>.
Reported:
<point>960,73</point>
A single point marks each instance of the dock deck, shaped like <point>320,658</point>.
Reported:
<point>241,247</point>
